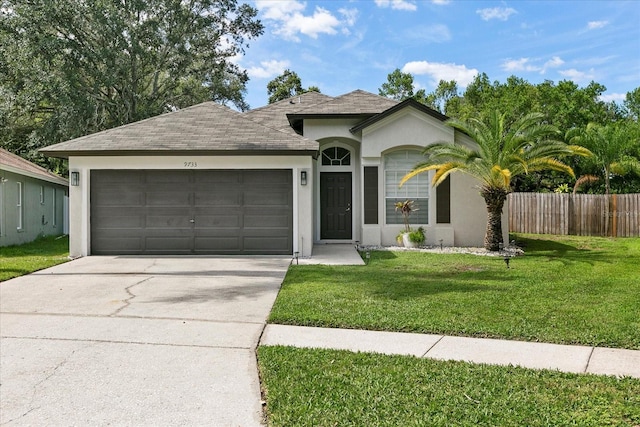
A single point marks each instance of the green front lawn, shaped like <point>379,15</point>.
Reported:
<point>24,259</point>
<point>306,387</point>
<point>570,290</point>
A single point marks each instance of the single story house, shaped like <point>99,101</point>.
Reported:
<point>274,180</point>
<point>32,201</point>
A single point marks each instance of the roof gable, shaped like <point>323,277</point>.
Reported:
<point>16,164</point>
<point>410,102</point>
<point>202,128</point>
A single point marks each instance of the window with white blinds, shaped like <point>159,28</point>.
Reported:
<point>396,165</point>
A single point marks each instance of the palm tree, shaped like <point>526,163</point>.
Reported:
<point>611,146</point>
<point>501,153</point>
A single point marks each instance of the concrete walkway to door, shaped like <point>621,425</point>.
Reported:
<point>136,341</point>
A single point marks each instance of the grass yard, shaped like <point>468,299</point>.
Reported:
<point>568,290</point>
<point>312,387</point>
<point>24,259</point>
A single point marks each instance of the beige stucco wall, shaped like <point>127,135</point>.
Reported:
<point>80,230</point>
<point>411,129</point>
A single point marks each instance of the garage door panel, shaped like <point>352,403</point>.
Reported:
<point>168,198</point>
<point>191,211</point>
<point>217,177</point>
<point>267,221</point>
<point>217,221</point>
<point>118,245</point>
<point>218,197</point>
<point>171,177</point>
<point>116,197</point>
<point>120,221</point>
<point>163,243</point>
<point>265,198</point>
<point>267,177</point>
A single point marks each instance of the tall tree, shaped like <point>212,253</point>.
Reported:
<point>399,86</point>
<point>286,85</point>
<point>72,67</point>
<point>632,103</point>
<point>443,95</point>
<point>500,153</point>
<point>613,148</point>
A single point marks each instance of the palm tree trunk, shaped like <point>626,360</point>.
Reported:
<point>494,198</point>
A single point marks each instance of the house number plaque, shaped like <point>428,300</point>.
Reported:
<point>190,164</point>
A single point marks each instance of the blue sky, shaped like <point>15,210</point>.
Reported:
<point>341,46</point>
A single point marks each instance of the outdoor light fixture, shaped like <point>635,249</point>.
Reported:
<point>303,177</point>
<point>295,255</point>
<point>75,179</point>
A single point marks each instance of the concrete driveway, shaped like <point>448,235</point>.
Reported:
<point>136,341</point>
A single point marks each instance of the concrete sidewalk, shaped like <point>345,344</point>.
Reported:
<point>565,358</point>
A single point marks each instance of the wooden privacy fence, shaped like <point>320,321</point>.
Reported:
<point>616,215</point>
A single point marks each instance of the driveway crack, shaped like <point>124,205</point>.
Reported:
<point>127,302</point>
<point>37,385</point>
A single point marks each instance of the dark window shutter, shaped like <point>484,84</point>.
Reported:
<point>443,202</point>
<point>370,194</point>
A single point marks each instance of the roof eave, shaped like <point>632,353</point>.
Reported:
<point>51,179</point>
<point>65,154</point>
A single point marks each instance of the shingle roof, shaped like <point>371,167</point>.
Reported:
<point>16,164</point>
<point>275,115</point>
<point>202,128</point>
<point>356,102</point>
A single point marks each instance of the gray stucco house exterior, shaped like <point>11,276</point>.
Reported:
<point>32,201</point>
<point>307,170</point>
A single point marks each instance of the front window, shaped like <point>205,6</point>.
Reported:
<point>19,203</point>
<point>396,166</point>
<point>336,156</point>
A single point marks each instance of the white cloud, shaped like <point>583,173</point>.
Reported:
<point>522,64</point>
<point>290,21</point>
<point>554,62</point>
<point>578,76</point>
<point>441,71</point>
<point>268,69</point>
<point>501,13</point>
<point>617,97</point>
<point>440,2</point>
<point>594,25</point>
<point>531,65</point>
<point>397,4</point>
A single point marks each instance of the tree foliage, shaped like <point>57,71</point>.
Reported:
<point>73,67</point>
<point>286,85</point>
<point>564,105</point>
<point>399,86</point>
<point>498,152</point>
<point>613,147</point>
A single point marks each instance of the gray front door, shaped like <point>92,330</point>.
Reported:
<point>335,205</point>
<point>202,212</point>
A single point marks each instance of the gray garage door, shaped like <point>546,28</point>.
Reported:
<point>205,212</point>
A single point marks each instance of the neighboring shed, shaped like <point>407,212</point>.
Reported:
<point>32,201</point>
